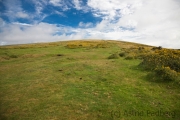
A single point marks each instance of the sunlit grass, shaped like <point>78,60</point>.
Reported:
<point>50,81</point>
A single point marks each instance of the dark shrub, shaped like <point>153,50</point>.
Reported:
<point>129,57</point>
<point>166,73</point>
<point>122,54</point>
<point>157,48</point>
<point>113,56</point>
<point>13,56</point>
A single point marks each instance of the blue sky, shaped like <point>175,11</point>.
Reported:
<point>154,22</point>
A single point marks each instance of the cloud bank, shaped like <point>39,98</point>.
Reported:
<point>149,22</point>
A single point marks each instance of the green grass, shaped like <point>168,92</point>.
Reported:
<point>80,84</point>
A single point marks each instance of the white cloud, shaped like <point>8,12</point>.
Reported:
<point>113,9</point>
<point>60,13</point>
<point>22,15</point>
<point>20,33</point>
<point>2,22</point>
<point>39,6</point>
<point>14,10</point>
<point>77,4</point>
<point>150,22</point>
<point>56,2</point>
<point>60,3</point>
<point>85,25</point>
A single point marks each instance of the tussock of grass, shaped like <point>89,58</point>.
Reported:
<point>114,56</point>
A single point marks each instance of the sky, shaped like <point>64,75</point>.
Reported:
<point>151,22</point>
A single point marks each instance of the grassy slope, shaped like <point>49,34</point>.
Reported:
<point>81,83</point>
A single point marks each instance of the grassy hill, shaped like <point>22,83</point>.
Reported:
<point>89,80</point>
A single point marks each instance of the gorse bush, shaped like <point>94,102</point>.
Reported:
<point>134,52</point>
<point>166,73</point>
<point>164,62</point>
<point>87,44</point>
<point>165,57</point>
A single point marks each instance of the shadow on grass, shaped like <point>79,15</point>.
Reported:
<point>3,115</point>
<point>152,76</point>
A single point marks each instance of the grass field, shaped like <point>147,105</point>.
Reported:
<point>75,80</point>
